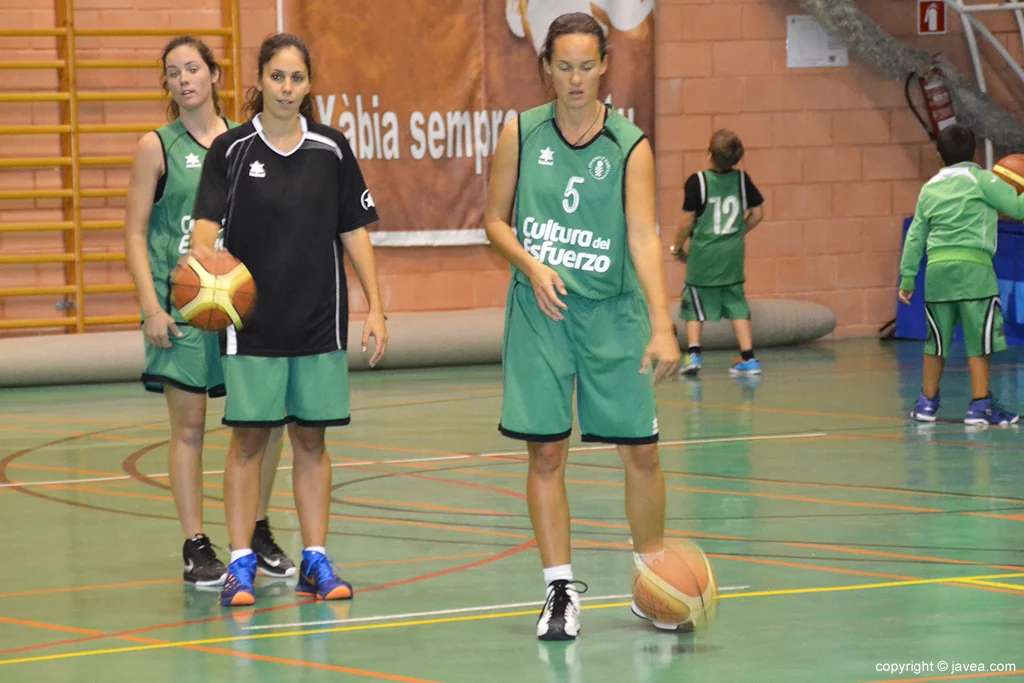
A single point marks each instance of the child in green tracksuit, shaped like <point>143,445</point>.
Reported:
<point>955,222</point>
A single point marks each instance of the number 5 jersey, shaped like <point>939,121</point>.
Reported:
<point>719,202</point>
<point>570,203</point>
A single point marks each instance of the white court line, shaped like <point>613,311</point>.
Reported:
<point>500,454</point>
<point>444,612</point>
<point>684,442</point>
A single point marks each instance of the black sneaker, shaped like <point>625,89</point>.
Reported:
<point>272,560</point>
<point>560,617</point>
<point>201,564</point>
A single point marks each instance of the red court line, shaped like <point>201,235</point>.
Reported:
<point>158,627</point>
<point>425,506</point>
<point>309,665</point>
<point>49,627</point>
<point>789,411</point>
<point>95,473</point>
<point>47,591</point>
<point>230,653</point>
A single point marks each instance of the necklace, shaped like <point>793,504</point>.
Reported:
<point>599,112</point>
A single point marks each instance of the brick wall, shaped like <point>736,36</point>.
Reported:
<point>836,152</point>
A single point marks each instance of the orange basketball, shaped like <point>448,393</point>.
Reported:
<point>1011,169</point>
<point>677,589</point>
<point>213,292</point>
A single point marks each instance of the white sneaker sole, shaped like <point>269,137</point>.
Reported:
<point>209,584</point>
<point>982,422</point>
<point>661,626</point>
<point>925,418</point>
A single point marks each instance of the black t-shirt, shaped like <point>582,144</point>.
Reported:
<point>693,195</point>
<point>283,214</point>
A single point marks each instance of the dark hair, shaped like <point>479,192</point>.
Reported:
<point>270,47</point>
<point>726,149</point>
<point>956,144</point>
<point>173,111</point>
<point>577,23</point>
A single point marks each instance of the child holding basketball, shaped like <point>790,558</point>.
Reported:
<point>955,223</point>
<point>291,197</point>
<point>183,362</point>
<point>720,206</point>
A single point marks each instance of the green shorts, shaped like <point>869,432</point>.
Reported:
<point>192,364</point>
<point>598,347</point>
<point>982,322</point>
<point>311,391</point>
<point>708,304</point>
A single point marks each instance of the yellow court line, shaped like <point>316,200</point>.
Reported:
<point>886,584</point>
<point>994,584</point>
<point>477,617</point>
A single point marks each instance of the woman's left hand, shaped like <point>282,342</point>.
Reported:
<point>375,327</point>
<point>663,350</point>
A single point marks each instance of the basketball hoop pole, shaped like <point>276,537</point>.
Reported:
<point>970,24</point>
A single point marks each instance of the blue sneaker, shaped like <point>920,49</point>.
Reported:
<point>987,412</point>
<point>238,587</point>
<point>746,367</point>
<point>317,578</point>
<point>925,408</point>
<point>691,364</point>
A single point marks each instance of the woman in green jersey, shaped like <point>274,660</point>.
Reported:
<point>571,207</point>
<point>182,362</point>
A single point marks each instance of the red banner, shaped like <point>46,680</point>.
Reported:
<point>422,90</point>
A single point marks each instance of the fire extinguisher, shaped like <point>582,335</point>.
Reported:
<point>937,100</point>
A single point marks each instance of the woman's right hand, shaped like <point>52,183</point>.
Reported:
<point>158,328</point>
<point>546,287</point>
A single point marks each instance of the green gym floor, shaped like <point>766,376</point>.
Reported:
<point>850,543</point>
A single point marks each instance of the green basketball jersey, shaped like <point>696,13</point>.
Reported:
<point>170,222</point>
<point>570,203</point>
<point>717,241</point>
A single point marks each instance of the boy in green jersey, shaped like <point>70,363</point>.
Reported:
<point>720,207</point>
<point>955,223</point>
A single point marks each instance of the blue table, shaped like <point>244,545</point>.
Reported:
<point>1009,265</point>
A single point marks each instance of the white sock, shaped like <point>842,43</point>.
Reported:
<point>316,549</point>
<point>649,557</point>
<point>561,572</point>
<point>241,552</point>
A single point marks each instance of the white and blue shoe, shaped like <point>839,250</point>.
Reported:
<point>925,409</point>
<point>745,367</point>
<point>987,412</point>
<point>691,364</point>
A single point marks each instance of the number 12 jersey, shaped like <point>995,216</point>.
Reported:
<point>720,201</point>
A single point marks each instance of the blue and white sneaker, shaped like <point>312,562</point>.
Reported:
<point>745,367</point>
<point>238,587</point>
<point>987,412</point>
<point>925,409</point>
<point>317,578</point>
<point>691,364</point>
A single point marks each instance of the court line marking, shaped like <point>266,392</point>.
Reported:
<point>443,612</point>
<point>465,456</point>
<point>1010,586</point>
<point>468,618</point>
<point>374,563</point>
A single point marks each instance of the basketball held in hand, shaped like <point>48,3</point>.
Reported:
<point>213,291</point>
<point>1011,170</point>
